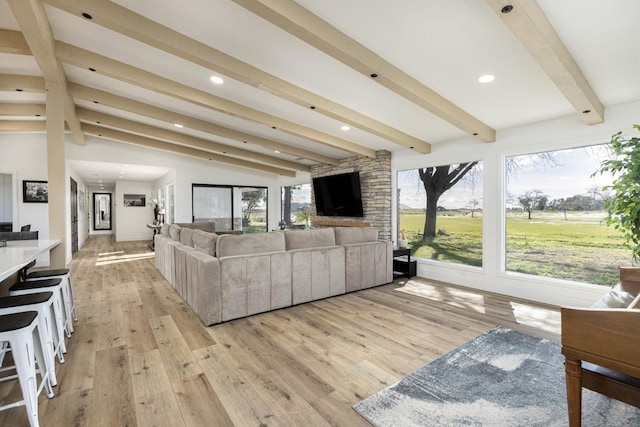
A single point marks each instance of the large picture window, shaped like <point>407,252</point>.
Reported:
<point>554,217</point>
<point>296,206</point>
<point>440,212</point>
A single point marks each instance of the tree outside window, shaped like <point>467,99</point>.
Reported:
<point>555,218</point>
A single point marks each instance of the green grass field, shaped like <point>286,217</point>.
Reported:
<point>580,248</point>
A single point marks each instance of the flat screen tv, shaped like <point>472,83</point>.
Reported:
<point>338,195</point>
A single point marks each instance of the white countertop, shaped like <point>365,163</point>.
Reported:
<point>19,253</point>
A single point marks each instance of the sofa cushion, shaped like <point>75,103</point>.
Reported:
<point>349,235</point>
<point>164,229</point>
<point>205,242</point>
<point>247,244</point>
<point>186,236</point>
<point>174,232</point>
<point>305,239</point>
<point>207,226</point>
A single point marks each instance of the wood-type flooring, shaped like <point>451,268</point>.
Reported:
<point>140,357</point>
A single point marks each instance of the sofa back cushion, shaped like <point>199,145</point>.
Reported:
<point>305,239</point>
<point>164,229</point>
<point>174,232</point>
<point>247,244</point>
<point>207,226</point>
<point>186,236</point>
<point>350,235</point>
<point>205,242</point>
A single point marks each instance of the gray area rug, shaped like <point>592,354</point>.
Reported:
<point>500,378</point>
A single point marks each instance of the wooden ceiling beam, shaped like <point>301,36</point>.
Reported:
<point>13,42</point>
<point>20,109</point>
<point>300,22</point>
<point>117,18</point>
<point>128,138</point>
<point>73,55</point>
<point>34,23</point>
<point>532,28</point>
<point>180,138</point>
<point>20,83</point>
<point>132,106</point>
<point>23,126</point>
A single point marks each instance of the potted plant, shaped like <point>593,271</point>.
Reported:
<point>402,241</point>
<point>624,204</point>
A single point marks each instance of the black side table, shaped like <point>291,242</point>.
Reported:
<point>402,264</point>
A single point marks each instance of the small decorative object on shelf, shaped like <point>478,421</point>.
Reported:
<point>402,241</point>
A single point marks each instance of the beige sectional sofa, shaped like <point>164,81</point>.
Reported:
<point>224,277</point>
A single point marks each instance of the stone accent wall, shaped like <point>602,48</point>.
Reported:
<point>375,182</point>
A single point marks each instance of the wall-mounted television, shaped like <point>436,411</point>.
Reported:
<point>338,195</point>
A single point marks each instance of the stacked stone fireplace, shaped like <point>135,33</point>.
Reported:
<point>375,182</point>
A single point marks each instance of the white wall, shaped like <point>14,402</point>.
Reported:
<point>131,221</point>
<point>24,155</point>
<point>566,132</point>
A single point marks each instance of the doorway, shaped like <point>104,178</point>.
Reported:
<point>102,211</point>
<point>74,216</point>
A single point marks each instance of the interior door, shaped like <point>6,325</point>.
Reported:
<point>74,216</point>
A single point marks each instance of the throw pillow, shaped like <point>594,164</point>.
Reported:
<point>205,242</point>
<point>174,232</point>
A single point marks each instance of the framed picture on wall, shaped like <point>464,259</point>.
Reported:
<point>35,192</point>
<point>135,200</point>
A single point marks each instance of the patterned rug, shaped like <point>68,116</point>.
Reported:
<point>500,378</point>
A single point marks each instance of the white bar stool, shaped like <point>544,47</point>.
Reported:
<point>53,332</point>
<point>67,290</point>
<point>47,285</point>
<point>19,329</point>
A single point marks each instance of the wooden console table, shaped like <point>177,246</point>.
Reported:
<point>156,230</point>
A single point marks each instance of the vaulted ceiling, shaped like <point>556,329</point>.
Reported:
<point>399,75</point>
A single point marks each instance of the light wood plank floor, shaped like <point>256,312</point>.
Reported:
<point>140,357</point>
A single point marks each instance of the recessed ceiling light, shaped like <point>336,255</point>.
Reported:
<point>122,172</point>
<point>487,78</point>
<point>276,151</point>
<point>345,128</point>
<point>216,80</point>
<point>178,125</point>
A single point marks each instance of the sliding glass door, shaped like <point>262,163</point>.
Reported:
<point>231,207</point>
<point>213,204</point>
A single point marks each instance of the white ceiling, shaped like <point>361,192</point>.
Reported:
<point>444,45</point>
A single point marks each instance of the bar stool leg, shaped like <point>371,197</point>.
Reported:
<point>43,364</point>
<point>66,302</point>
<point>45,338</point>
<point>23,355</point>
<point>72,301</point>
